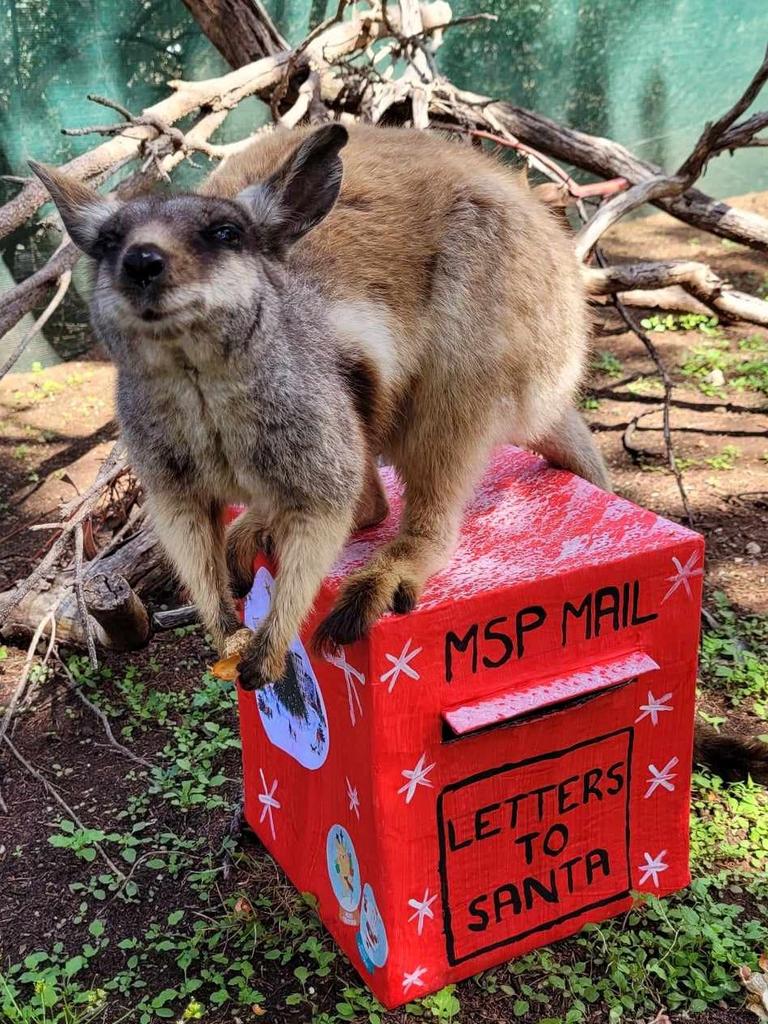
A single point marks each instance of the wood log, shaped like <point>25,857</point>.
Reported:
<point>241,30</point>
<point>139,562</point>
<point>696,278</point>
<point>173,618</point>
<point>118,609</point>
<point>215,94</point>
<point>608,159</point>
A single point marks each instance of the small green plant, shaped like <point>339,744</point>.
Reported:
<point>724,460</point>
<point>713,366</point>
<point>682,322</point>
<point>607,363</point>
<point>81,841</point>
<point>734,656</point>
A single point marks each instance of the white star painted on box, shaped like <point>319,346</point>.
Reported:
<point>267,799</point>
<point>354,799</point>
<point>401,664</point>
<point>654,706</point>
<point>413,979</point>
<point>352,677</point>
<point>661,777</point>
<point>416,777</point>
<point>652,868</point>
<point>421,909</point>
<point>683,574</point>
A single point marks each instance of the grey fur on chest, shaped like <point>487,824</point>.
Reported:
<point>251,425</point>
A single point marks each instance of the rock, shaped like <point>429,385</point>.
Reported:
<point>753,548</point>
<point>720,408</point>
<point>716,378</point>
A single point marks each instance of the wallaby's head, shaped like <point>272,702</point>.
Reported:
<point>163,262</point>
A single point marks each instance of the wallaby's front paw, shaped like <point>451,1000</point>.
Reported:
<point>361,603</point>
<point>259,665</point>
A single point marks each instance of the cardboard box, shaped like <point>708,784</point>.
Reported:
<point>506,763</point>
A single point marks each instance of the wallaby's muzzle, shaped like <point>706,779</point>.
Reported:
<point>144,265</point>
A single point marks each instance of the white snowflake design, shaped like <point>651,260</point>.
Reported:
<point>422,909</point>
<point>683,574</point>
<point>353,678</point>
<point>654,706</point>
<point>652,868</point>
<point>267,799</point>
<point>662,777</point>
<point>413,979</point>
<point>416,776</point>
<point>401,663</point>
<point>354,799</point>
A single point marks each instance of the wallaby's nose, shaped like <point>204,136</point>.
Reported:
<point>143,264</point>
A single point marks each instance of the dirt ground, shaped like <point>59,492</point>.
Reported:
<point>57,425</point>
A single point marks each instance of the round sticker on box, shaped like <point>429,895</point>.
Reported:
<point>372,937</point>
<point>343,871</point>
<point>292,710</point>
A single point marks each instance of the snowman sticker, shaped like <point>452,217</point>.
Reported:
<point>343,871</point>
<point>292,710</point>
<point>372,937</point>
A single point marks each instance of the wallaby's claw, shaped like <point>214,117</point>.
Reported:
<point>258,665</point>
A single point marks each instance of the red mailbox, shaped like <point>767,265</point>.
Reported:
<point>504,764</point>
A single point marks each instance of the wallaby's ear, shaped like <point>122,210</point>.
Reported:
<point>82,209</point>
<point>302,192</point>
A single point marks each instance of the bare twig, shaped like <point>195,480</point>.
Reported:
<point>70,681</point>
<point>64,282</point>
<point>54,793</point>
<point>27,667</point>
<point>668,384</point>
<point>81,606</point>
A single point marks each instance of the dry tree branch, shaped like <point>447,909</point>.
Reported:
<point>668,385</point>
<point>54,793</point>
<point>698,279</point>
<point>105,723</point>
<point>73,515</point>
<point>80,596</point>
<point>24,675</point>
<point>64,282</point>
<point>662,186</point>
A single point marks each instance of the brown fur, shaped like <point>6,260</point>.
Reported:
<point>434,311</point>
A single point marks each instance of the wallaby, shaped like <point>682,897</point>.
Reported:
<point>279,331</point>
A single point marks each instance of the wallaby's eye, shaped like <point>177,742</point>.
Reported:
<point>107,242</point>
<point>226,234</point>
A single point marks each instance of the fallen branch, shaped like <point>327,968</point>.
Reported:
<point>64,282</point>
<point>696,278</point>
<point>54,793</point>
<point>668,384</point>
<point>105,723</point>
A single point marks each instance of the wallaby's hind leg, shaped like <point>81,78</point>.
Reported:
<point>570,446</point>
<point>248,535</point>
<point>439,464</point>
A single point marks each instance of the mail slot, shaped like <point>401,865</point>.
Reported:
<point>506,763</point>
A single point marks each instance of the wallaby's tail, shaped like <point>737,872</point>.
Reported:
<point>731,757</point>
